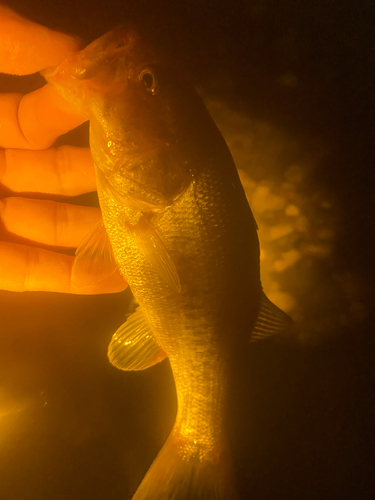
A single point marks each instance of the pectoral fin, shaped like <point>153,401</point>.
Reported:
<point>109,190</point>
<point>133,346</point>
<point>155,252</point>
<point>94,258</point>
<point>270,321</point>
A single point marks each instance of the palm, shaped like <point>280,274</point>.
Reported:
<point>28,125</point>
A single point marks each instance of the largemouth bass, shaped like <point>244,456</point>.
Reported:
<point>177,224</point>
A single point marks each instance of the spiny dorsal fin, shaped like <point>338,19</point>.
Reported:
<point>133,346</point>
<point>270,321</point>
<point>153,249</point>
<point>94,258</point>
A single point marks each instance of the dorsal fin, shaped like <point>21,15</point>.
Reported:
<point>270,321</point>
<point>133,345</point>
<point>153,249</point>
<point>94,258</point>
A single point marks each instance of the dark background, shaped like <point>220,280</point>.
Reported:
<point>302,420</point>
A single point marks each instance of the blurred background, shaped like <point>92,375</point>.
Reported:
<point>290,85</point>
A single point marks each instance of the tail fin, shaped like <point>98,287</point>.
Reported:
<point>176,476</point>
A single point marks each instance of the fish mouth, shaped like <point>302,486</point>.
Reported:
<point>96,66</point>
<point>105,52</point>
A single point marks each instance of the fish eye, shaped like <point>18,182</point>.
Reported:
<point>149,81</point>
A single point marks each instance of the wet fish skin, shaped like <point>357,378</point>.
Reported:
<point>184,238</point>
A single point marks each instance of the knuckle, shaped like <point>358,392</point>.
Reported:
<point>63,167</point>
<point>62,221</point>
<point>3,207</point>
<point>31,269</point>
<point>8,210</point>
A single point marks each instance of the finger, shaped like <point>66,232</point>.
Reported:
<point>35,120</point>
<point>48,222</point>
<point>66,170</point>
<point>27,47</point>
<point>24,268</point>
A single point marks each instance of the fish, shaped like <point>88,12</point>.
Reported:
<point>178,226</point>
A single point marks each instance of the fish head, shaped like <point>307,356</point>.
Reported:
<point>143,136</point>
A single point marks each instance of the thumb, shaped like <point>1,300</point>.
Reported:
<point>27,47</point>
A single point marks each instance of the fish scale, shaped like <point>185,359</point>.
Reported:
<point>185,239</point>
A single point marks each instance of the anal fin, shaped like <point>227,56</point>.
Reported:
<point>270,321</point>
<point>133,345</point>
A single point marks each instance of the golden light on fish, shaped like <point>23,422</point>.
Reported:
<point>178,226</point>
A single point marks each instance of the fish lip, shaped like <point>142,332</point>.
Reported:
<point>50,72</point>
<point>111,46</point>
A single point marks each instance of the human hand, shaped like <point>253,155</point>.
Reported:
<point>29,124</point>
